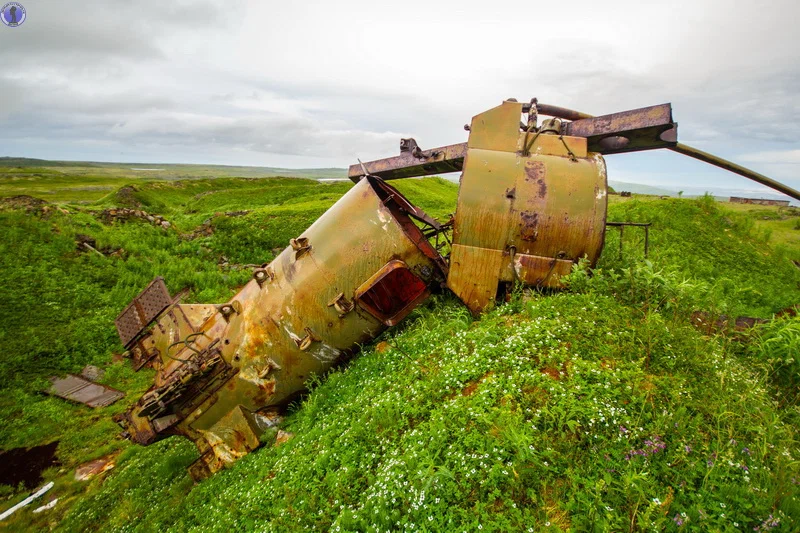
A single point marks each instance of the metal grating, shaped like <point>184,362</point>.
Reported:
<point>142,310</point>
<point>83,391</point>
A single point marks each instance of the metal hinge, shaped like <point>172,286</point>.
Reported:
<point>305,343</point>
<point>263,274</point>
<point>341,304</point>
<point>300,246</point>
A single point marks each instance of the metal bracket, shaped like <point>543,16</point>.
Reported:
<point>341,304</point>
<point>410,146</point>
<point>228,310</point>
<point>263,274</point>
<point>305,343</point>
<point>199,366</point>
<point>621,226</point>
<point>269,367</point>
<point>300,246</point>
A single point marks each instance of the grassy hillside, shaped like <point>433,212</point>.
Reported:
<point>86,182</point>
<point>597,408</point>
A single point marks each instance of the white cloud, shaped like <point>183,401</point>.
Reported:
<point>777,157</point>
<point>320,82</point>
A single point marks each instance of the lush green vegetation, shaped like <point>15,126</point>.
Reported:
<point>597,408</point>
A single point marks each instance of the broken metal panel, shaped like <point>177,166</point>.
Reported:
<point>78,389</point>
<point>497,128</point>
<point>142,310</point>
<point>295,319</point>
<point>392,292</point>
<point>537,271</point>
<point>474,274</point>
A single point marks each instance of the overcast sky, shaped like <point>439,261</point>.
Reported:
<point>318,84</point>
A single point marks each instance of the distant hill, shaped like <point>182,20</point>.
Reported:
<point>639,188</point>
<point>30,162</point>
<point>189,169</point>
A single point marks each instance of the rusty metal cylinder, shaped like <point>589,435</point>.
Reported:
<point>361,267</point>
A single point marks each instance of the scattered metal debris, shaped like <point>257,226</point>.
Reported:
<point>26,501</point>
<point>88,470</point>
<point>78,389</point>
<point>122,214</point>
<point>46,506</point>
<point>87,243</point>
<point>283,437</point>
<point>92,373</point>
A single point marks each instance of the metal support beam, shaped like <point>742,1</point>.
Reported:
<point>639,129</point>
<point>647,128</point>
<point>672,144</point>
<point>736,169</point>
<point>409,164</point>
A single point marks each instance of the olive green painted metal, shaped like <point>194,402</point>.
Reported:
<point>299,315</point>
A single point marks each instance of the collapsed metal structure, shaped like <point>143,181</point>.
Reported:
<point>532,201</point>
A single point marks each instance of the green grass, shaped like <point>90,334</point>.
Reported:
<point>745,267</point>
<point>86,182</point>
<point>597,408</point>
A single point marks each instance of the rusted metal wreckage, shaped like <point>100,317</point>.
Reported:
<point>532,202</point>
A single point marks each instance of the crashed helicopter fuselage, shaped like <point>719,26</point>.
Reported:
<point>532,202</point>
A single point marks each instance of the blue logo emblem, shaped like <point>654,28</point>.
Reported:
<point>13,14</point>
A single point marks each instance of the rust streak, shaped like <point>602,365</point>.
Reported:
<point>529,226</point>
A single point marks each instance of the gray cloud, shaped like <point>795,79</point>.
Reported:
<point>322,83</point>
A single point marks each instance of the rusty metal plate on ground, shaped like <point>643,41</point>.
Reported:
<point>83,391</point>
<point>142,310</point>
